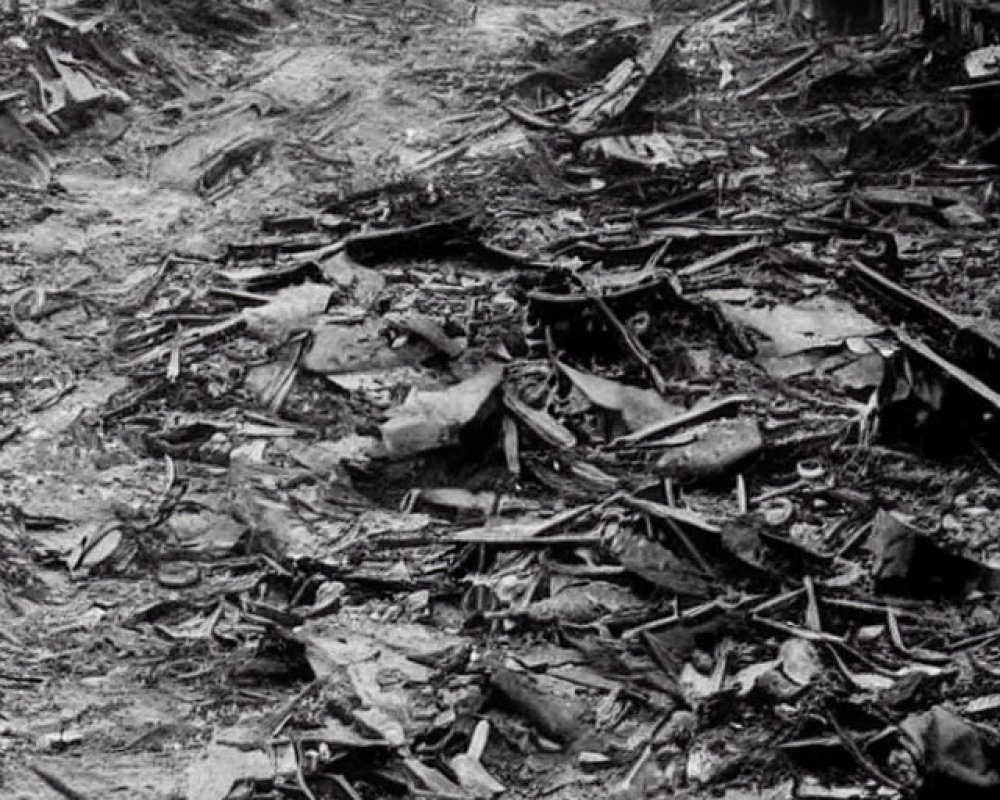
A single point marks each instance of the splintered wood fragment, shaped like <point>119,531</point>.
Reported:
<point>535,534</point>
<point>680,516</point>
<point>342,783</point>
<point>701,413</point>
<point>904,296</point>
<point>813,621</point>
<point>775,602</point>
<point>57,783</point>
<point>502,539</point>
<point>801,633</point>
<point>973,88</point>
<point>626,786</point>
<point>720,258</point>
<point>494,124</point>
<point>593,476</point>
<point>448,154</point>
<point>866,763</point>
<point>623,86</point>
<point>276,721</point>
<point>690,615</point>
<point>634,346</point>
<point>916,653</point>
<point>725,14</point>
<point>782,72</point>
<point>376,246</point>
<point>540,423</point>
<point>690,233</point>
<point>529,120</point>
<point>552,523</point>
<point>501,256</point>
<point>693,552</point>
<point>968,381</point>
<point>191,338</point>
<point>471,774</point>
<point>511,445</point>
<point>538,530</point>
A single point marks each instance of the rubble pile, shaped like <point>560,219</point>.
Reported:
<point>638,439</point>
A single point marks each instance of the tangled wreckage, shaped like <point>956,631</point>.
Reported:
<point>443,400</point>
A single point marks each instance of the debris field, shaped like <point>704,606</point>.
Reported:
<point>429,399</point>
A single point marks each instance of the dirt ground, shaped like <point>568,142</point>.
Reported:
<point>200,569</point>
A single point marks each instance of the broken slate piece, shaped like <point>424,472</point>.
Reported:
<point>428,420</point>
<point>820,322</point>
<point>638,407</point>
<point>909,562</point>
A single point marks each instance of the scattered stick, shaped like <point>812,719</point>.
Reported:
<point>57,783</point>
<point>677,515</point>
<point>190,339</point>
<point>625,787</point>
<point>813,621</point>
<point>701,413</point>
<point>722,257</point>
<point>724,15</point>
<point>500,539</point>
<point>866,763</point>
<point>529,120</point>
<point>632,344</point>
<point>784,71</point>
